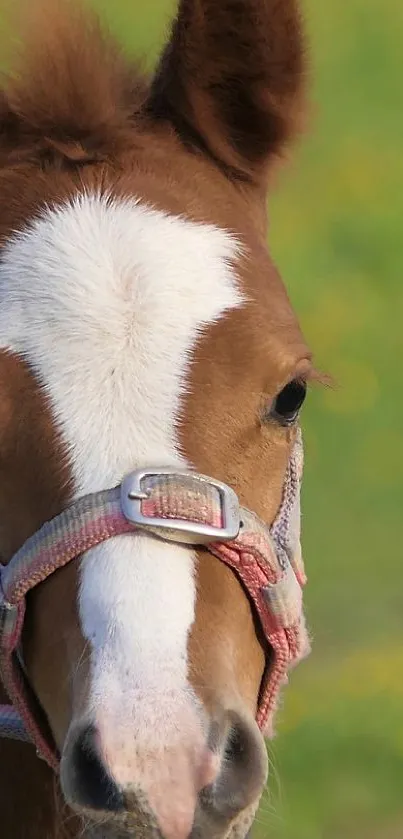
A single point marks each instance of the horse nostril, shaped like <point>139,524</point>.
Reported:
<point>243,769</point>
<point>237,746</point>
<point>89,784</point>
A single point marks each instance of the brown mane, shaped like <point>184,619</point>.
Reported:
<point>70,91</point>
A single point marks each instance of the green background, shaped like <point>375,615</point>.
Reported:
<point>336,232</point>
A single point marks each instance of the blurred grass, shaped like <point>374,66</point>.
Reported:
<point>336,232</point>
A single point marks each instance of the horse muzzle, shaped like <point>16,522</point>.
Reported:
<point>196,786</point>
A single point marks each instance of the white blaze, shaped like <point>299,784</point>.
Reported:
<point>105,298</point>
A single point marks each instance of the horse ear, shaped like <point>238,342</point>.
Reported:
<point>231,80</point>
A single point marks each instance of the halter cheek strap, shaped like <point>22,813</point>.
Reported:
<point>176,506</point>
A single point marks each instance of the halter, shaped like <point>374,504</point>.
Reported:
<point>178,506</point>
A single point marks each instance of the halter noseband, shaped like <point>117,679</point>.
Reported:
<point>179,506</point>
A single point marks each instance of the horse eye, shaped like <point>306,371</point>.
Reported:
<point>287,404</point>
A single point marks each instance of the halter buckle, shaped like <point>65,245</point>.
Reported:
<point>192,532</point>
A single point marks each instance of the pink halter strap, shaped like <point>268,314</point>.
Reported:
<point>177,506</point>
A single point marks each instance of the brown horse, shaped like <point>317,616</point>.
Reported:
<point>143,324</point>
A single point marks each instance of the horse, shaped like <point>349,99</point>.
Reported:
<point>152,374</point>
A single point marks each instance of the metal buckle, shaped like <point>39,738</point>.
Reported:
<point>180,530</point>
